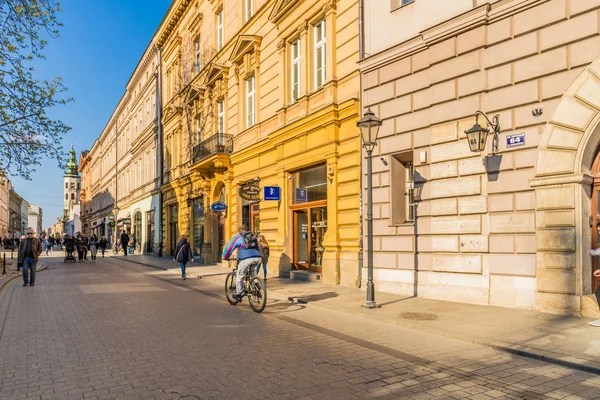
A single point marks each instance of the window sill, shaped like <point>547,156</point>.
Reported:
<point>398,7</point>
<point>402,224</point>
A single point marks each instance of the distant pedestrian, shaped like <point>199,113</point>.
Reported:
<point>183,254</point>
<point>264,250</point>
<point>132,245</point>
<point>46,245</point>
<point>103,244</point>
<point>124,242</point>
<point>81,245</point>
<point>87,246</point>
<point>93,243</point>
<point>29,251</point>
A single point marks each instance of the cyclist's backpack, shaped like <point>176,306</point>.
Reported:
<point>250,241</point>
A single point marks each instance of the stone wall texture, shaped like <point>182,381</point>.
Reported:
<point>507,229</point>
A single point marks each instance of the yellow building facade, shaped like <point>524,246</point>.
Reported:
<point>260,101</point>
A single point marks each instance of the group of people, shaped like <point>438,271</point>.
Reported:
<point>83,245</point>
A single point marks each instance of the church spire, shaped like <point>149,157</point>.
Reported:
<point>71,169</point>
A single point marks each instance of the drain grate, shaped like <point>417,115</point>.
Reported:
<point>416,316</point>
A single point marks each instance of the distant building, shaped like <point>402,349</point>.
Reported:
<point>72,192</point>
<point>34,219</point>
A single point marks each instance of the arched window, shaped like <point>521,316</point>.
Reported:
<point>72,196</point>
<point>66,197</point>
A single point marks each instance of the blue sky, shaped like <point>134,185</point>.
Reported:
<point>99,46</point>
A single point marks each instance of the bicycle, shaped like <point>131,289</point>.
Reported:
<point>254,288</point>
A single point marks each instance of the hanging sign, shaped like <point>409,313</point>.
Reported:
<point>250,191</point>
<point>218,206</point>
<point>272,193</point>
<point>515,140</point>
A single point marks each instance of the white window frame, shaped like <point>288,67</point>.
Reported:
<point>320,47</point>
<point>221,116</point>
<point>295,70</point>
<point>197,54</point>
<point>249,9</point>
<point>250,101</point>
<point>220,41</point>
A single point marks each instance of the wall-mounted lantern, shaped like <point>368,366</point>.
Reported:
<point>477,135</point>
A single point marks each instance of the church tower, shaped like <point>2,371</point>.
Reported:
<point>72,183</point>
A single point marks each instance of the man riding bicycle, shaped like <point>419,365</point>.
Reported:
<point>249,256</point>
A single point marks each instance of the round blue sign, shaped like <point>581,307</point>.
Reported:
<point>218,206</point>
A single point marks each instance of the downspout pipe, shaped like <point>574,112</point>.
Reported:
<point>160,150</point>
<point>361,51</point>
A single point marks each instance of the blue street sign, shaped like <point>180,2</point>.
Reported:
<point>272,193</point>
<point>301,195</point>
<point>515,140</point>
<point>218,206</point>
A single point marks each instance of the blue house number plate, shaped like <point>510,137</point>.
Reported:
<point>515,140</point>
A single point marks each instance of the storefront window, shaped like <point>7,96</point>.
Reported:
<point>198,222</point>
<point>150,231</point>
<point>310,185</point>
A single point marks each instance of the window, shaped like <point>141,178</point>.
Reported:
<point>198,129</point>
<point>402,188</point>
<point>219,30</point>
<point>72,196</point>
<point>250,101</point>
<point>221,116</point>
<point>197,54</point>
<point>249,5</point>
<point>66,185</point>
<point>295,54</point>
<point>320,41</point>
<point>400,3</point>
<point>66,197</point>
<point>310,185</point>
<point>148,119</point>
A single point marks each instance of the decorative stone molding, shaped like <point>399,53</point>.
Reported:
<point>330,5</point>
<point>302,27</point>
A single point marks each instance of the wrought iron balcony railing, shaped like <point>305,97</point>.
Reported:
<point>219,143</point>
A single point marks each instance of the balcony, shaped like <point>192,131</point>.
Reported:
<point>212,154</point>
<point>220,143</point>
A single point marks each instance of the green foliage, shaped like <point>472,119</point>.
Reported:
<point>27,134</point>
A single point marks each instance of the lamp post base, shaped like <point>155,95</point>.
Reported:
<point>370,303</point>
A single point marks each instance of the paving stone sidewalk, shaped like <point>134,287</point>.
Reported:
<point>565,340</point>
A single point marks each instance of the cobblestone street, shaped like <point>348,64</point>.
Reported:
<point>110,330</point>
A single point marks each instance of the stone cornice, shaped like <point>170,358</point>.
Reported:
<point>171,20</point>
<point>562,180</point>
<point>482,15</point>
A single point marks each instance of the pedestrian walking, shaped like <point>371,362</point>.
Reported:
<point>183,254</point>
<point>124,242</point>
<point>103,244</point>
<point>87,247</point>
<point>46,245</point>
<point>264,250</point>
<point>81,245</point>
<point>93,243</point>
<point>132,245</point>
<point>29,251</point>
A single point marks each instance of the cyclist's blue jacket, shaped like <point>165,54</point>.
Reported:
<point>238,242</point>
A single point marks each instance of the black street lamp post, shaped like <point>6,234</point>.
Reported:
<point>369,126</point>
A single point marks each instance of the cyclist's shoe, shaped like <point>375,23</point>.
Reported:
<point>238,297</point>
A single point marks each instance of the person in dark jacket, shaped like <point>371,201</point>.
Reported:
<point>264,250</point>
<point>29,251</point>
<point>183,254</point>
<point>124,242</point>
<point>81,245</point>
<point>103,244</point>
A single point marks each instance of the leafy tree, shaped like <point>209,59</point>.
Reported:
<point>27,134</point>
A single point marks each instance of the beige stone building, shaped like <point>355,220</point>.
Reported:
<point>120,175</point>
<point>509,227</point>
<point>263,95</point>
<point>5,186</point>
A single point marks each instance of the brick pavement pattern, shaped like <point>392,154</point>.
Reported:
<point>111,330</point>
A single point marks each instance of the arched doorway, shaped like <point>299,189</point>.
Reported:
<point>566,200</point>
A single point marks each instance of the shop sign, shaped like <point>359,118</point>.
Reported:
<point>218,206</point>
<point>515,140</point>
<point>250,191</point>
<point>126,221</point>
<point>272,193</point>
<point>301,195</point>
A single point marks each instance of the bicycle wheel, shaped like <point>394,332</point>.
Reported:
<point>230,288</point>
<point>258,295</point>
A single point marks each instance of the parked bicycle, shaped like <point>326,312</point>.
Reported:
<point>254,288</point>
